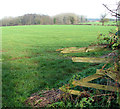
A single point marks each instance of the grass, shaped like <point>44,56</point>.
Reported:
<point>106,23</point>
<point>30,62</point>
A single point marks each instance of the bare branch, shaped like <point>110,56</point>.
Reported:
<point>116,14</point>
<point>118,7</point>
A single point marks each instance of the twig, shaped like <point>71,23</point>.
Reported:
<point>102,95</point>
<point>112,10</point>
<point>118,7</point>
<point>103,66</point>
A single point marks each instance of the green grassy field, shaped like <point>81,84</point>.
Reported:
<point>30,62</point>
<point>106,23</point>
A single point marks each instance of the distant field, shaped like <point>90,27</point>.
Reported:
<point>106,23</point>
<point>30,62</point>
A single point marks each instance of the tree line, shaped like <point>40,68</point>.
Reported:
<point>36,19</point>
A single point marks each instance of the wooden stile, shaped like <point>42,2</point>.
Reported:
<point>90,59</point>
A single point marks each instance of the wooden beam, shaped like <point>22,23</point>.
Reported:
<point>100,72</point>
<point>90,59</point>
<point>74,50</point>
<point>75,92</point>
<point>91,77</point>
<point>96,86</point>
<point>82,49</point>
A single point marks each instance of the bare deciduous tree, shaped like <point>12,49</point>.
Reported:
<point>103,19</point>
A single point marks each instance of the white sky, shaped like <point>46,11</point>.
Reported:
<point>89,8</point>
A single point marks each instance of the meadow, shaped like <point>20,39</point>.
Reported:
<point>99,23</point>
<point>30,62</point>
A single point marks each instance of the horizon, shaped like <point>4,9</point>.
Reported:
<point>50,16</point>
<point>90,9</point>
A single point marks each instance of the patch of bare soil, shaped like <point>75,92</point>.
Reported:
<point>43,98</point>
<point>3,51</point>
<point>20,58</point>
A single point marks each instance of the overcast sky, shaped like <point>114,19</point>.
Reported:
<point>89,8</point>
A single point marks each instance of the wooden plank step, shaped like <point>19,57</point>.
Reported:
<point>82,49</point>
<point>75,92</point>
<point>100,72</point>
<point>91,77</point>
<point>74,50</point>
<point>68,90</point>
<point>90,59</point>
<point>96,86</point>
